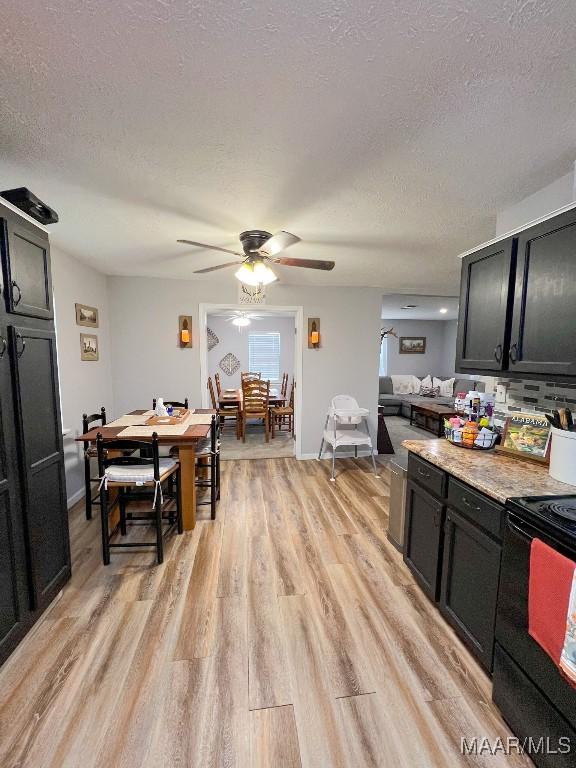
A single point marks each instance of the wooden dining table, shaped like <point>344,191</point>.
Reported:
<point>186,443</point>
<point>234,399</point>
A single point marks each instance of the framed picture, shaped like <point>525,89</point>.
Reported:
<point>88,347</point>
<point>86,315</point>
<point>412,345</point>
<point>526,436</point>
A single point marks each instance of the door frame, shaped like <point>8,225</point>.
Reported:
<point>295,311</point>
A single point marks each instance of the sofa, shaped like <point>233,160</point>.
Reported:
<point>398,393</point>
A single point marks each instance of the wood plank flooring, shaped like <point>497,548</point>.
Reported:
<point>287,633</point>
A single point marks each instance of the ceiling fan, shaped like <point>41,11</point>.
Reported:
<point>242,319</point>
<point>261,248</point>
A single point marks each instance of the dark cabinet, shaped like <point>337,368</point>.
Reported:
<point>26,268</point>
<point>39,433</point>
<point>423,537</point>
<point>470,577</point>
<point>518,303</point>
<point>542,339</point>
<point>486,291</point>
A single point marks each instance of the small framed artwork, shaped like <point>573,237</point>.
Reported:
<point>412,345</point>
<point>526,436</point>
<point>88,347</point>
<point>87,316</point>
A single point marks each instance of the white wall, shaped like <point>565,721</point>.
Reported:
<point>84,386</point>
<point>439,357</point>
<point>231,340</point>
<point>147,360</point>
<point>560,192</point>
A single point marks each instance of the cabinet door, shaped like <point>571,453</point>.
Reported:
<point>486,288</point>
<point>470,576</point>
<point>26,263</point>
<point>39,430</point>
<point>14,596</point>
<point>544,319</point>
<point>423,538</point>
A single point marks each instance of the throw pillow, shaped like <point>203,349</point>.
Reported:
<point>447,388</point>
<point>426,383</point>
<point>429,391</point>
<point>402,385</point>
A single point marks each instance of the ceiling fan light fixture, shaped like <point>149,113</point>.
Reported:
<point>255,273</point>
<point>241,322</point>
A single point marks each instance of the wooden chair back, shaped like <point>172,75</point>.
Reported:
<point>250,376</point>
<point>172,403</point>
<point>107,447</point>
<point>284,387</point>
<point>88,420</point>
<point>212,395</point>
<point>291,401</point>
<point>255,397</point>
<point>218,385</point>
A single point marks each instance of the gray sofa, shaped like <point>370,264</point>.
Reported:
<point>400,405</point>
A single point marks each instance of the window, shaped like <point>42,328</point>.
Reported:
<point>264,355</point>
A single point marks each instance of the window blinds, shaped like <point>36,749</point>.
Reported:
<point>264,355</point>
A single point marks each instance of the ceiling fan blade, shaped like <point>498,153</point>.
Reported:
<point>211,247</point>
<point>278,242</point>
<point>219,266</point>
<point>308,263</point>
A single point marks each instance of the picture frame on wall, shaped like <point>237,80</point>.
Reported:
<point>89,347</point>
<point>87,316</point>
<point>412,345</point>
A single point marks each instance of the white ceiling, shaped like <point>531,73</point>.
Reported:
<point>386,135</point>
<point>427,307</point>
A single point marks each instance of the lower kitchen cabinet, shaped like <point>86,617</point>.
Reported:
<point>470,576</point>
<point>423,538</point>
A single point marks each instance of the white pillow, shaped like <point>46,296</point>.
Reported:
<point>446,387</point>
<point>416,384</point>
<point>402,385</point>
<point>426,382</point>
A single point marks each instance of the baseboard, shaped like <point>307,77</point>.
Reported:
<point>75,498</point>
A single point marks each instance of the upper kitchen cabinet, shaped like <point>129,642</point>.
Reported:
<point>26,267</point>
<point>544,318</point>
<point>486,291</point>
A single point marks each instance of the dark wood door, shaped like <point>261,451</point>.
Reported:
<point>14,595</point>
<point>543,339</point>
<point>423,538</point>
<point>36,397</point>
<point>470,576</point>
<point>486,290</point>
<point>26,265</point>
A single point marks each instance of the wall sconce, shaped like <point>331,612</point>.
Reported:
<point>185,331</point>
<point>313,333</point>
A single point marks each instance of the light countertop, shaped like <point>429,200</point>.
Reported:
<point>494,474</point>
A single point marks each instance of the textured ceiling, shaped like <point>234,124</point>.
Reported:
<point>426,307</point>
<point>386,135</point>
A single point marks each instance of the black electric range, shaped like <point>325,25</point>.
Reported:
<point>534,698</point>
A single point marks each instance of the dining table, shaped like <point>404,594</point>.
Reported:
<point>186,442</point>
<point>233,398</point>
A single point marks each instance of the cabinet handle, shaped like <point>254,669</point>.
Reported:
<point>498,353</point>
<point>3,345</point>
<point>20,352</point>
<point>470,506</point>
<point>16,287</point>
<point>424,474</point>
<point>514,353</point>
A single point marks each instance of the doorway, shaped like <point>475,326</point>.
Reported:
<point>236,338</point>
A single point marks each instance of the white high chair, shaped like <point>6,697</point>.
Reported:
<point>343,428</point>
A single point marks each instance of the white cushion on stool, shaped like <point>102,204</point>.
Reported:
<point>136,473</point>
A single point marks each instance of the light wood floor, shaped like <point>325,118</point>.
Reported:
<point>286,633</point>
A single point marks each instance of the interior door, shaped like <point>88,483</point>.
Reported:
<point>14,596</point>
<point>486,288</point>
<point>33,354</point>
<point>27,278</point>
<point>544,318</point>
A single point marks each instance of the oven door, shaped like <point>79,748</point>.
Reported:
<point>512,615</point>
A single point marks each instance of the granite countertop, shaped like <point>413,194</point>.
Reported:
<point>495,474</point>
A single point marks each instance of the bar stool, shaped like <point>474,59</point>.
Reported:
<point>208,457</point>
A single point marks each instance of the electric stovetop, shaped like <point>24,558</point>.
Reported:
<point>556,513</point>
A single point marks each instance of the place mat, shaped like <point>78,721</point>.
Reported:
<point>199,418</point>
<point>161,430</point>
<point>130,420</point>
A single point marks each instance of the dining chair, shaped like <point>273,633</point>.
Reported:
<point>250,376</point>
<point>172,403</point>
<point>228,412</point>
<point>208,458</point>
<point>284,388</point>
<point>255,405</point>
<point>284,414</point>
<point>91,497</point>
<point>218,385</point>
<point>128,474</point>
